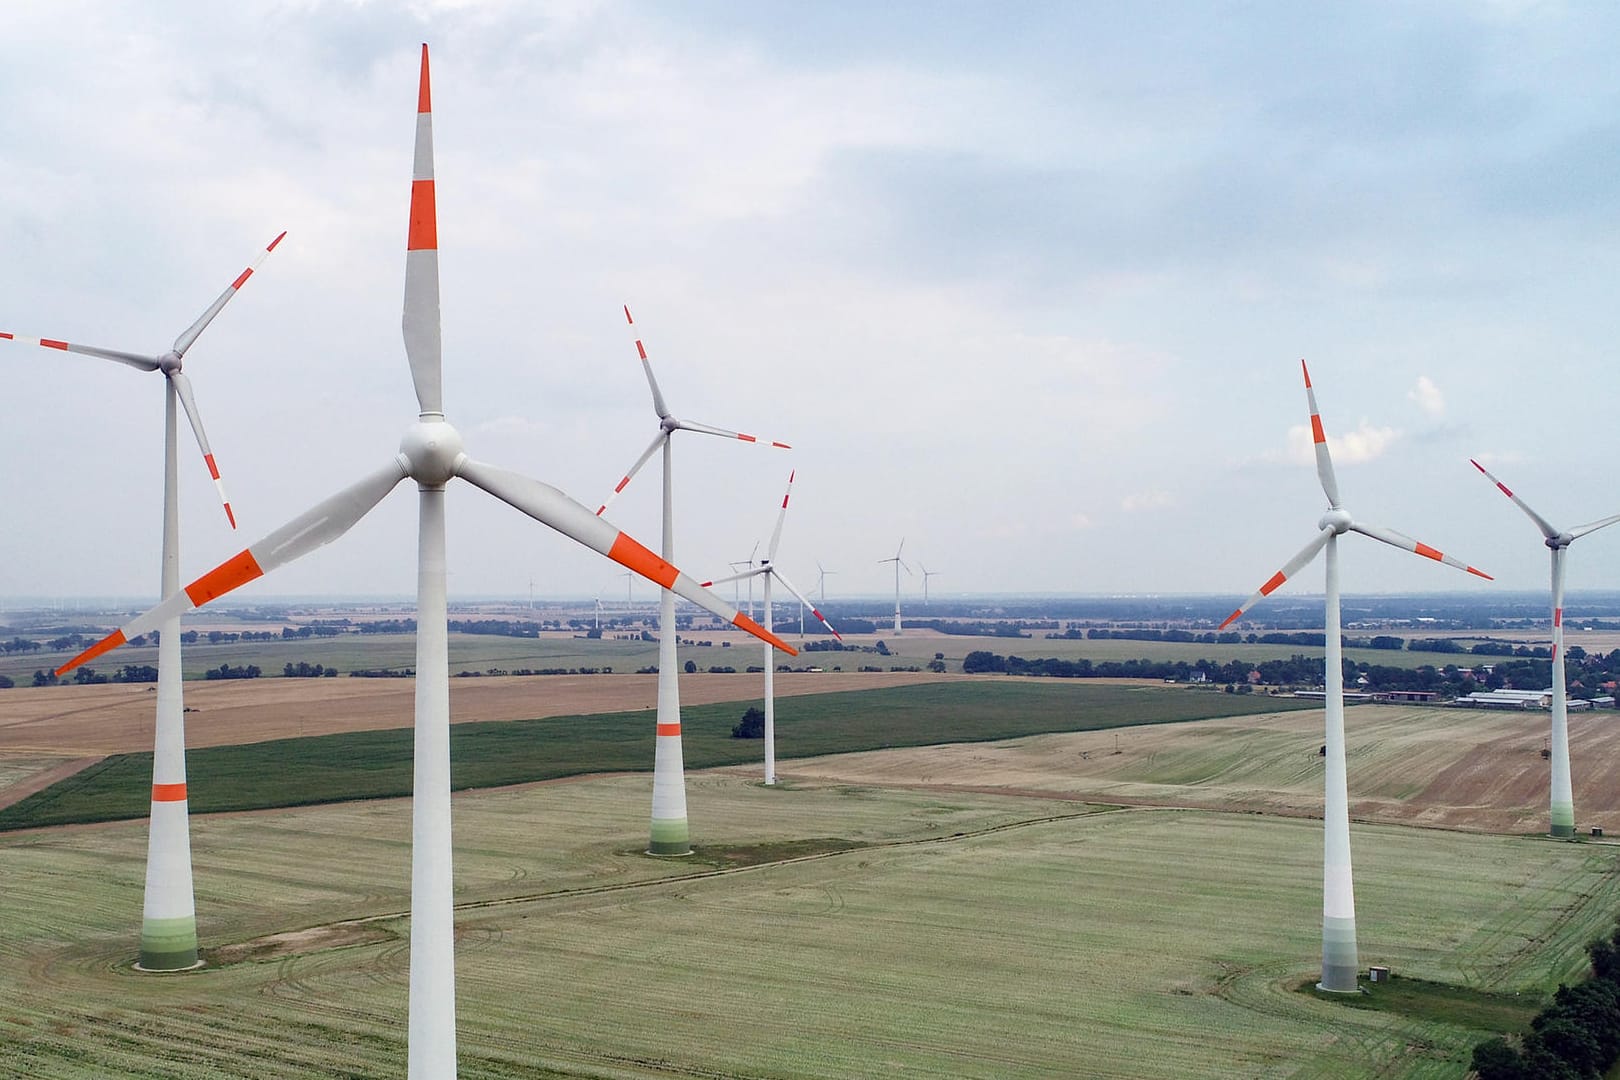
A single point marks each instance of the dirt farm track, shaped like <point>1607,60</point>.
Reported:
<point>117,718</point>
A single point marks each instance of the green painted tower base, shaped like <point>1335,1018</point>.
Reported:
<point>168,944</point>
<point>1563,820</point>
<point>670,838</point>
<point>1340,968</point>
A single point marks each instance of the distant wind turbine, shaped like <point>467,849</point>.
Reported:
<point>430,453</point>
<point>1563,792</point>
<point>670,834</point>
<point>898,563</point>
<point>926,574</point>
<point>768,571</point>
<point>169,919</point>
<point>1339,961</point>
<point>822,574</point>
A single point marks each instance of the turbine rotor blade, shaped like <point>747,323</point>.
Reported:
<point>1324,462</point>
<point>1601,523</point>
<point>1290,568</point>
<point>725,433</point>
<point>182,388</point>
<point>646,366</point>
<point>319,525</point>
<point>776,534</point>
<point>187,339</point>
<point>1406,543</point>
<point>1541,523</point>
<point>646,455</point>
<point>780,577</point>
<point>755,572</point>
<point>134,360</point>
<point>550,506</point>
<point>420,322</point>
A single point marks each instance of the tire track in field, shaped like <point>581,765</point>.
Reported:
<point>352,931</point>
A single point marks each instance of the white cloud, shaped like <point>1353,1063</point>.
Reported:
<point>1427,396</point>
<point>1365,443</point>
<point>1079,521</point>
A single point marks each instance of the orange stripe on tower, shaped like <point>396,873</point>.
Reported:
<point>628,553</point>
<point>669,729</point>
<point>105,645</point>
<point>1317,433</point>
<point>223,578</point>
<point>424,234</point>
<point>1271,586</point>
<point>424,101</point>
<point>1428,552</point>
<point>168,793</point>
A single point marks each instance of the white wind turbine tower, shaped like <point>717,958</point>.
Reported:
<point>822,574</point>
<point>926,574</point>
<point>767,570</point>
<point>1563,792</point>
<point>431,454</point>
<point>169,919</point>
<point>670,832</point>
<point>898,563</point>
<point>1339,962</point>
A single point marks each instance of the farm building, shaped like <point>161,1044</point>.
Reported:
<point>1508,699</point>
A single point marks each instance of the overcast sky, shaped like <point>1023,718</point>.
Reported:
<point>1027,285</point>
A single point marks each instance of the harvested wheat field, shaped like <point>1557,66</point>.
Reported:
<point>1450,768</point>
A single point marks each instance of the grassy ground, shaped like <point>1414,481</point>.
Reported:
<point>377,764</point>
<point>979,936</point>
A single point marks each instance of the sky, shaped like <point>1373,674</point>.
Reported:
<point>1025,285</point>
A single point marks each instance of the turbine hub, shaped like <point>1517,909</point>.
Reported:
<point>1337,520</point>
<point>433,449</point>
<point>169,362</point>
<point>669,423</point>
<point>1562,540</point>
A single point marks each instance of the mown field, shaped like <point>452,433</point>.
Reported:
<point>974,935</point>
<point>375,764</point>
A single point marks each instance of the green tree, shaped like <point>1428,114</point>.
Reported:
<point>752,724</point>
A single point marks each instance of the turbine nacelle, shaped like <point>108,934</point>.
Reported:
<point>1337,520</point>
<point>170,362</point>
<point>668,422</point>
<point>433,451</point>
<point>1562,540</point>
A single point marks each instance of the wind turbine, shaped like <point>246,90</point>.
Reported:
<point>822,574</point>
<point>168,917</point>
<point>898,563</point>
<point>1339,963</point>
<point>670,834</point>
<point>768,571</point>
<point>431,454</point>
<point>926,574</point>
<point>1563,792</point>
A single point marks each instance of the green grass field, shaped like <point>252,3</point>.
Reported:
<point>377,764</point>
<point>974,936</point>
